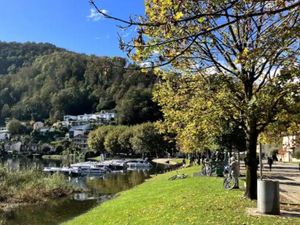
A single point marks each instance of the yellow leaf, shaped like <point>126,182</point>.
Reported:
<point>178,15</point>
<point>245,51</point>
<point>236,61</point>
<point>201,19</point>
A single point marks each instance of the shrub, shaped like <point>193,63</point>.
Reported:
<point>297,154</point>
<point>31,186</point>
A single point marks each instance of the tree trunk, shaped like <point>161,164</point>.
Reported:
<point>251,164</point>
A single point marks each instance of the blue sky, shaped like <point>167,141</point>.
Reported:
<point>68,24</point>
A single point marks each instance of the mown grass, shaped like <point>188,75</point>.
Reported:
<point>31,186</point>
<point>195,200</point>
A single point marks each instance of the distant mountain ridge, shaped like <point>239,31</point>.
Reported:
<point>40,81</point>
<point>15,55</point>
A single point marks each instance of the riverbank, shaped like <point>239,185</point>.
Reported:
<point>194,200</point>
<point>30,187</point>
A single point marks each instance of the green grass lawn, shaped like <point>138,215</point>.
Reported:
<point>195,200</point>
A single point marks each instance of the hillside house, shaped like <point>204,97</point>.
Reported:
<point>80,141</point>
<point>4,134</point>
<point>77,130</point>
<point>103,117</point>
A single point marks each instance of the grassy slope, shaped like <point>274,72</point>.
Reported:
<point>195,200</point>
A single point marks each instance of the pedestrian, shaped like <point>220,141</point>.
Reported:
<point>274,157</point>
<point>202,157</point>
<point>199,159</point>
<point>270,162</point>
<point>183,162</point>
<point>235,171</point>
<point>192,159</point>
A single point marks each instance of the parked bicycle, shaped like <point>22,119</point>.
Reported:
<point>178,176</point>
<point>212,167</point>
<point>229,181</point>
<point>207,169</point>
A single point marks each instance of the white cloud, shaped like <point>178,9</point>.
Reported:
<point>96,16</point>
<point>146,64</point>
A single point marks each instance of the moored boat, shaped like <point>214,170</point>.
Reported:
<point>65,170</point>
<point>138,163</point>
<point>90,168</point>
<point>115,165</point>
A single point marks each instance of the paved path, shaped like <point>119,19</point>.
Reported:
<point>288,176</point>
<point>165,161</point>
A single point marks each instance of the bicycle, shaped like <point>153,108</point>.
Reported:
<point>229,181</point>
<point>178,176</point>
<point>207,169</point>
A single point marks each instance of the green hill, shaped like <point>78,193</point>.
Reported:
<point>14,56</point>
<point>41,81</point>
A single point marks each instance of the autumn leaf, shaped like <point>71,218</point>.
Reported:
<point>178,15</point>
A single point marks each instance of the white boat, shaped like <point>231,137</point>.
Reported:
<point>83,164</point>
<point>115,164</point>
<point>70,171</point>
<point>65,170</point>
<point>52,169</point>
<point>138,163</point>
<point>90,168</point>
<point>83,168</point>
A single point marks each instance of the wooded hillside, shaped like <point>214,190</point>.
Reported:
<point>41,81</point>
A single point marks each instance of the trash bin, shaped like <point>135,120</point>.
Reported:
<point>268,197</point>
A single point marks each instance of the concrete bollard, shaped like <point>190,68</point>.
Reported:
<point>268,197</point>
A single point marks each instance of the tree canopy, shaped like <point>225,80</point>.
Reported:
<point>251,47</point>
<point>142,139</point>
<point>191,112</point>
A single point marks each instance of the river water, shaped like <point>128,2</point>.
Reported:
<point>95,191</point>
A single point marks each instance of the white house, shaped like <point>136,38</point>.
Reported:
<point>69,117</point>
<point>102,115</point>
<point>289,145</point>
<point>38,125</point>
<point>4,134</point>
<point>107,115</point>
<point>78,130</point>
<point>80,141</point>
<point>13,147</point>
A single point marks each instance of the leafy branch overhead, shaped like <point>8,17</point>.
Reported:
<point>167,20</point>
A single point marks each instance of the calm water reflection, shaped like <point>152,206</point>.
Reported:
<point>22,163</point>
<point>54,212</point>
<point>95,191</point>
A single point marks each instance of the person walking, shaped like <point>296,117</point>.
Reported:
<point>183,162</point>
<point>270,162</point>
<point>235,171</point>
